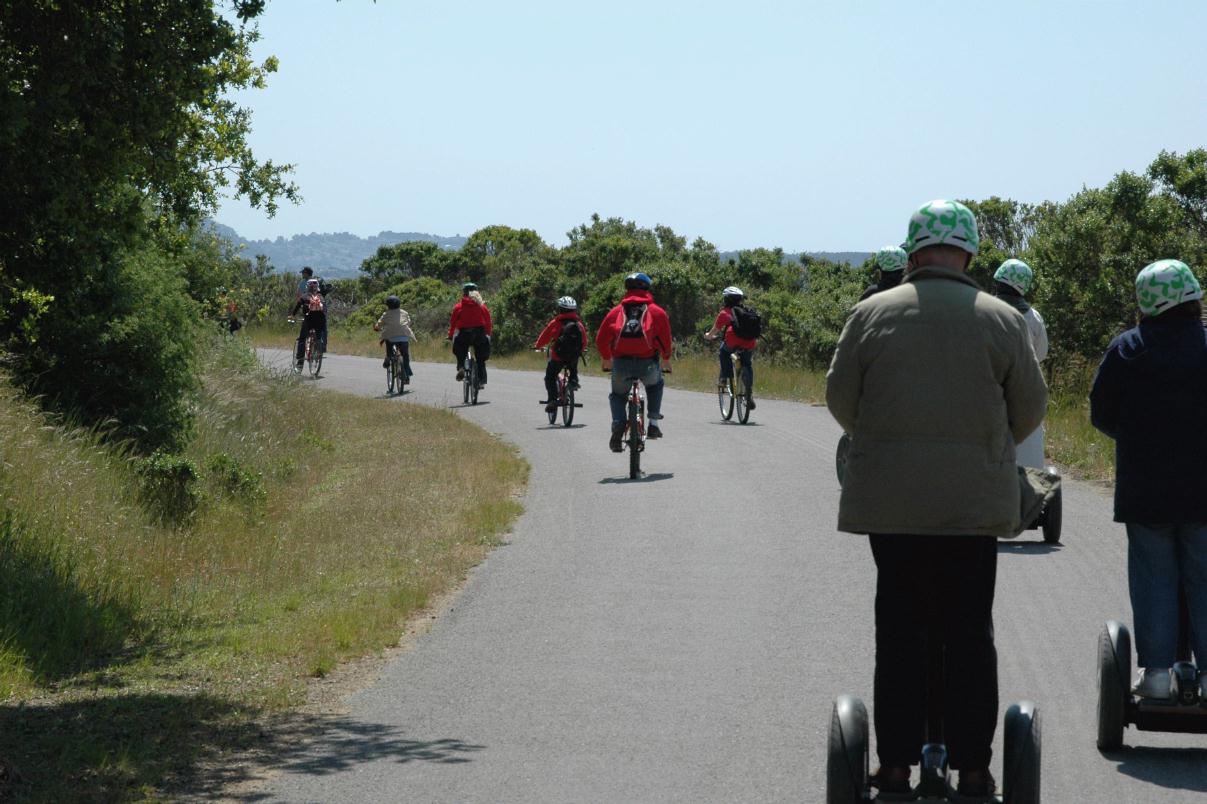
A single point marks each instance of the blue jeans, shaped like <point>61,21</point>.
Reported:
<point>1158,556</point>
<point>745,358</point>
<point>649,371</point>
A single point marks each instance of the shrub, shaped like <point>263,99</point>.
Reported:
<point>168,487</point>
<point>229,479</point>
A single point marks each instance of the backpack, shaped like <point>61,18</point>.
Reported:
<point>569,344</point>
<point>635,325</point>
<point>316,304</point>
<point>746,322</point>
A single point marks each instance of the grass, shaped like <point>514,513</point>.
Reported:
<point>133,654</point>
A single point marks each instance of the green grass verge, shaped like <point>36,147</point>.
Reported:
<point>135,655</point>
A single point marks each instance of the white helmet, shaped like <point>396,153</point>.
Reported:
<point>1015,273</point>
<point>733,291</point>
<point>891,258</point>
<point>567,303</point>
<point>1165,284</point>
<point>942,222</point>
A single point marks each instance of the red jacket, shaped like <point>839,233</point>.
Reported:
<point>468,314</point>
<point>725,322</point>
<point>554,328</point>
<point>610,344</point>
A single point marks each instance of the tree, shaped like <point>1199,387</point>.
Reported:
<point>494,253</point>
<point>116,133</point>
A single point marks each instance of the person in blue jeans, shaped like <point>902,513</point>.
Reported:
<point>1149,396</point>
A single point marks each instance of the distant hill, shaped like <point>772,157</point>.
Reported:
<point>336,254</point>
<point>332,254</point>
<point>855,258</point>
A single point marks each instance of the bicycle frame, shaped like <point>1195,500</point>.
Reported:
<point>634,437</point>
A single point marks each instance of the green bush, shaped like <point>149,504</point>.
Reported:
<point>424,293</point>
<point>229,479</point>
<point>168,487</point>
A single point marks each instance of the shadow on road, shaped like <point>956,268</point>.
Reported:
<point>560,427</point>
<point>1018,548</point>
<point>732,423</point>
<point>1171,768</point>
<point>463,405</point>
<point>643,479</point>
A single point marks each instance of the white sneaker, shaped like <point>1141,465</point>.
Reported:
<point>1154,683</point>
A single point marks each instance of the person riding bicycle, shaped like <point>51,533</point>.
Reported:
<point>936,381</point>
<point>470,324</point>
<point>891,261</point>
<point>1011,283</point>
<point>566,335</point>
<point>395,328</point>
<point>732,298</point>
<point>631,339</point>
<point>314,303</point>
<point>1149,396</point>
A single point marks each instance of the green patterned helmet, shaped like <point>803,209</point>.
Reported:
<point>1015,273</point>
<point>1165,284</point>
<point>942,222</point>
<point>891,258</point>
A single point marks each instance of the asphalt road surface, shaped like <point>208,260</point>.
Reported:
<point>683,637</point>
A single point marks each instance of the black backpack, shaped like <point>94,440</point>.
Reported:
<point>746,322</point>
<point>569,344</point>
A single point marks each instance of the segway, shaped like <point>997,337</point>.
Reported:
<point>1042,507</point>
<point>1184,713</point>
<point>848,780</point>
<point>840,456</point>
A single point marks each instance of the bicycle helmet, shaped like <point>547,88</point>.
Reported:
<point>467,287</point>
<point>733,291</point>
<point>891,258</point>
<point>1165,284</point>
<point>1015,273</point>
<point>638,281</point>
<point>393,302</point>
<point>567,303</point>
<point>312,284</point>
<point>942,222</point>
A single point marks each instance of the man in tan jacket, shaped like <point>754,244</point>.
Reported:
<point>936,381</point>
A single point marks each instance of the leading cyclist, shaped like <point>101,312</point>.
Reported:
<point>633,336</point>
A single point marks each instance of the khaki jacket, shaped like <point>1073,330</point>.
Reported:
<point>936,382</point>
<point>395,324</point>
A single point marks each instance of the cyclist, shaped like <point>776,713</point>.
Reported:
<point>1149,395</point>
<point>470,324</point>
<point>1011,283</point>
<point>935,381</point>
<point>314,303</point>
<point>631,339</point>
<point>307,273</point>
<point>395,328</point>
<point>568,338</point>
<point>733,297</point>
<point>891,261</point>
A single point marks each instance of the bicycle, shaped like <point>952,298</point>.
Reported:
<point>734,392</point>
<point>313,356</point>
<point>634,425</point>
<point>470,381</point>
<point>565,396</point>
<point>396,376</point>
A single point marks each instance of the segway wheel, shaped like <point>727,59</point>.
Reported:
<point>1021,774</point>
<point>1052,517</point>
<point>840,456</point>
<point>847,762</point>
<point>1114,676</point>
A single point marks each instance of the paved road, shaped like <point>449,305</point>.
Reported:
<point>682,638</point>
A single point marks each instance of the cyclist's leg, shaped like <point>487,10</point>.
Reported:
<point>405,348</point>
<point>551,370</point>
<point>651,375</point>
<point>726,362</point>
<point>300,353</point>
<point>746,358</point>
<point>322,328</point>
<point>461,348</point>
<point>574,372</point>
<point>622,368</point>
<point>482,350</point>
<point>389,345</point>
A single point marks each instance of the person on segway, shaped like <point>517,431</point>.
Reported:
<point>1011,283</point>
<point>936,381</point>
<point>1148,395</point>
<point>890,261</point>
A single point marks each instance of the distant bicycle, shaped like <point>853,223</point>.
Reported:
<point>565,399</point>
<point>734,392</point>
<point>314,354</point>
<point>470,382</point>
<point>396,376</point>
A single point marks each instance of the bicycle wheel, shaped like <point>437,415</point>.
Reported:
<point>559,400</point>
<point>466,380</point>
<point>568,406</point>
<point>634,438</point>
<point>391,368</point>
<point>743,403</point>
<point>314,358</point>
<point>725,398</point>
<point>473,386</point>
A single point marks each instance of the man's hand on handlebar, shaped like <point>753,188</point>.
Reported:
<point>666,367</point>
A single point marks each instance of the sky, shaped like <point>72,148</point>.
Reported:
<point>804,125</point>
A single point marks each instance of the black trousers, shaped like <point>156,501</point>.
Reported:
<point>935,587</point>
<point>311,321</point>
<point>404,349</point>
<point>481,344</point>
<point>552,369</point>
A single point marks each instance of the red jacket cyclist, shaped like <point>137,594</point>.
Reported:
<point>468,325</point>
<point>633,336</point>
<point>733,297</point>
<point>566,346</point>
